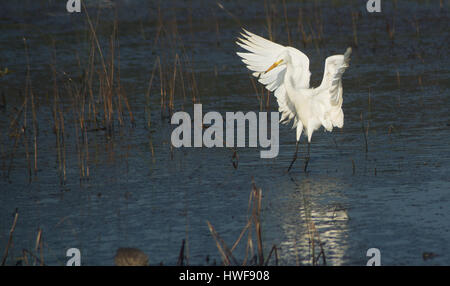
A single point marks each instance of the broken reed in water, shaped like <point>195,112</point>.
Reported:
<point>253,227</point>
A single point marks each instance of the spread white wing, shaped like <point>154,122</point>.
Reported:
<point>331,88</point>
<point>262,54</point>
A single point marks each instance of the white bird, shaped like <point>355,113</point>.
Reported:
<point>285,71</point>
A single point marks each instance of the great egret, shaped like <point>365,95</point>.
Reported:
<point>285,71</point>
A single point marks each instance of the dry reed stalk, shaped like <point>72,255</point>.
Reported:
<point>230,14</point>
<point>416,26</point>
<point>287,23</point>
<point>181,72</point>
<point>147,95</point>
<point>17,134</point>
<point>162,89</point>
<point>315,235</point>
<point>111,96</point>
<point>23,130</point>
<point>124,97</point>
<point>269,21</point>
<point>56,124</point>
<point>94,34</point>
<point>180,261</point>
<point>261,98</point>
<point>314,38</point>
<point>24,126</point>
<point>312,231</point>
<point>33,106</point>
<point>254,213</point>
<point>189,16</point>
<point>319,24</point>
<point>86,146</point>
<point>25,256</point>
<point>267,99</point>
<point>120,93</point>
<point>217,30</point>
<point>390,28</point>
<point>15,121</point>
<point>257,212</point>
<point>252,80</point>
<point>89,78</point>
<point>355,18</point>
<point>193,80</point>
<point>419,81</point>
<point>11,232</point>
<point>38,246</point>
<point>160,27</point>
<point>26,253</point>
<point>244,230</point>
<point>77,127</point>
<point>172,88</point>
<point>111,74</point>
<point>272,251</point>
<point>365,132</point>
<point>305,38</point>
<point>261,103</point>
<point>79,103</point>
<point>62,144</point>
<point>225,252</point>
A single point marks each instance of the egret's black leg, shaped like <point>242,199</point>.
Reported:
<point>295,156</point>
<point>307,158</point>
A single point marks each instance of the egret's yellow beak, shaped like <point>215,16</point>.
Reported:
<point>273,66</point>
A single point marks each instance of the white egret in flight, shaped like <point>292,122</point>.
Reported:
<point>285,71</point>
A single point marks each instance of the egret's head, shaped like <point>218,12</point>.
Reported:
<point>282,59</point>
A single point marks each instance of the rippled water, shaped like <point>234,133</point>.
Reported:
<point>143,193</point>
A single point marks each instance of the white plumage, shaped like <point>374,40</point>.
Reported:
<point>285,71</point>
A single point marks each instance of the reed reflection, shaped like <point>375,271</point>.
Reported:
<point>315,223</point>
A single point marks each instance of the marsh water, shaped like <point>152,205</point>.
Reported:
<point>392,193</point>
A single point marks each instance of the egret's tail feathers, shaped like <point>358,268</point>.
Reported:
<point>333,118</point>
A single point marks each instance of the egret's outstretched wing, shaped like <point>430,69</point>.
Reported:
<point>335,67</point>
<point>331,88</point>
<point>261,55</point>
